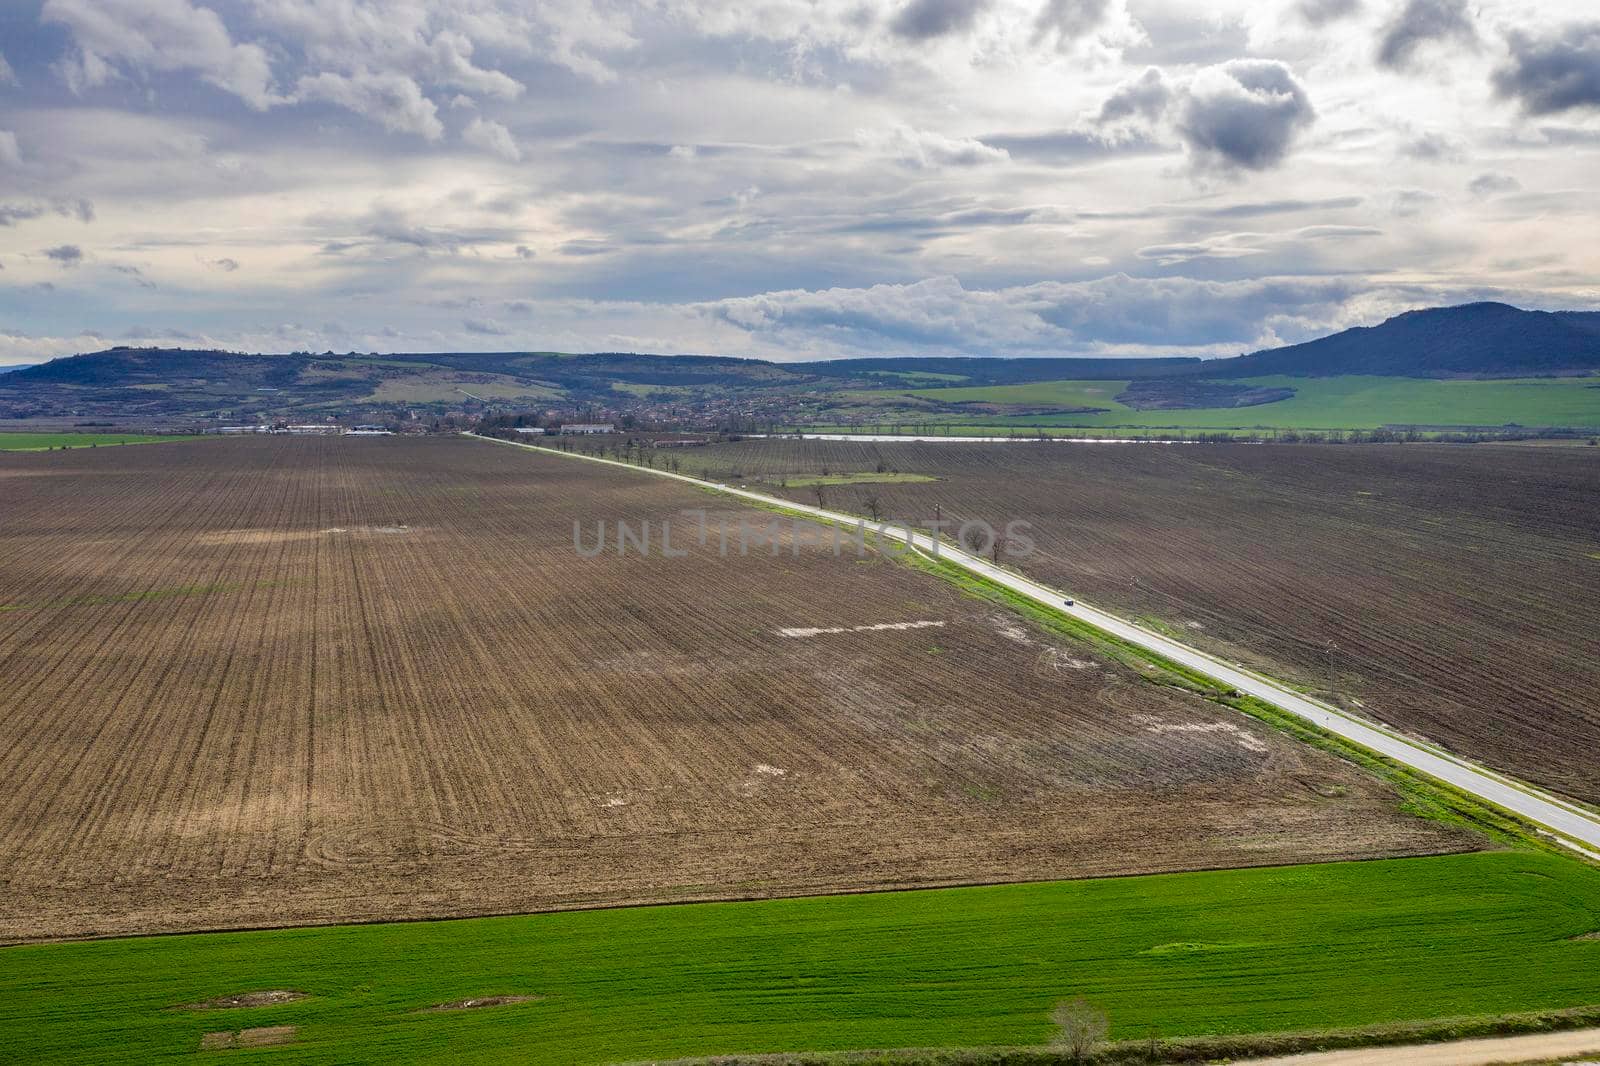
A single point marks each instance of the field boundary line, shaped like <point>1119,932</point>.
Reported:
<point>1562,821</point>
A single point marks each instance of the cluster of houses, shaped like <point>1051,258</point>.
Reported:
<point>570,428</point>
<point>314,429</point>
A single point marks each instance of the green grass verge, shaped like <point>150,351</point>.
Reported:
<point>38,442</point>
<point>1227,952</point>
<point>1192,1049</point>
<point>1347,402</point>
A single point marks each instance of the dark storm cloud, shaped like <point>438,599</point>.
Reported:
<point>1556,72</point>
<point>1420,22</point>
<point>1243,115</point>
<point>923,20</point>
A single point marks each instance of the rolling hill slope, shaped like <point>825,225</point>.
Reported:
<point>1473,340</point>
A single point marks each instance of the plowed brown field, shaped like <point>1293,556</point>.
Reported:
<point>1453,591</point>
<point>281,681</point>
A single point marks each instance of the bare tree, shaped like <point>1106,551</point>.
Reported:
<point>1083,1026</point>
<point>873,507</point>
<point>822,497</point>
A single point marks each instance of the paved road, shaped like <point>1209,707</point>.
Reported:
<point>1580,1044</point>
<point>1566,822</point>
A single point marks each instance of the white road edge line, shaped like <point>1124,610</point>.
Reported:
<point>1565,823</point>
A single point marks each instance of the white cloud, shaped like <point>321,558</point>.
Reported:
<point>10,153</point>
<point>926,149</point>
<point>393,101</point>
<point>158,35</point>
<point>493,138</point>
<point>1113,315</point>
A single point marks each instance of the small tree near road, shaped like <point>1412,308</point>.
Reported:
<point>1083,1026</point>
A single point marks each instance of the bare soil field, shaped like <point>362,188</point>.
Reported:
<point>284,681</point>
<point>1450,590</point>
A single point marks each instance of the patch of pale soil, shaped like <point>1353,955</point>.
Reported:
<point>1062,661</point>
<point>1012,631</point>
<point>1535,1047</point>
<point>256,536</point>
<point>265,1036</point>
<point>1051,658</point>
<point>368,529</point>
<point>480,1001</point>
<point>817,631</point>
<point>1248,741</point>
<point>760,772</point>
<point>270,997</point>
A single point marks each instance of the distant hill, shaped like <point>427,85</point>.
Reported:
<point>147,385</point>
<point>153,383</point>
<point>1472,340</point>
<point>18,366</point>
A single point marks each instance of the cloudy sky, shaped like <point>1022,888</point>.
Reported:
<point>785,178</point>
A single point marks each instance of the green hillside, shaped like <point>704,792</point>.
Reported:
<point>1352,402</point>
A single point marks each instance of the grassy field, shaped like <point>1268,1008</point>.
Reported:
<point>38,442</point>
<point>1219,952</point>
<point>1351,402</point>
<point>1064,393</point>
<point>454,388</point>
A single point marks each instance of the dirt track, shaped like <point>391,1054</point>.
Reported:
<point>274,682</point>
<point>1536,1047</point>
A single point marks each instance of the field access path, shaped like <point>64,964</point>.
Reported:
<point>1565,822</point>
